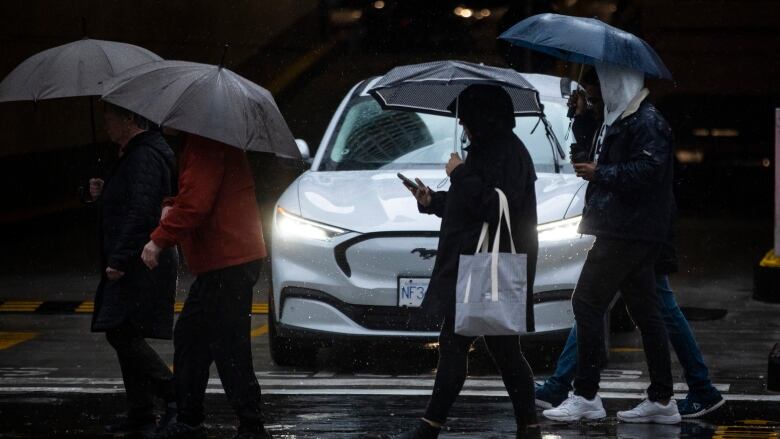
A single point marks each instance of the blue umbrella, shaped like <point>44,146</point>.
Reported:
<point>586,41</point>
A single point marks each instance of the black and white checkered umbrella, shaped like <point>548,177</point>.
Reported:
<point>431,87</point>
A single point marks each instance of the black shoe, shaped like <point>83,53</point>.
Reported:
<point>423,430</point>
<point>180,430</point>
<point>131,427</point>
<point>529,432</point>
<point>168,418</point>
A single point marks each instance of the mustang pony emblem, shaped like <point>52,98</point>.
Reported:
<point>425,253</point>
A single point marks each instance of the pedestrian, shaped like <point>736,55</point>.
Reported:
<point>216,221</point>
<point>628,209</point>
<point>702,397</point>
<point>133,303</point>
<point>496,159</point>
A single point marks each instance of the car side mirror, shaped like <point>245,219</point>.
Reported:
<point>303,148</point>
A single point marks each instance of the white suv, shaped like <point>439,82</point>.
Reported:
<point>350,253</point>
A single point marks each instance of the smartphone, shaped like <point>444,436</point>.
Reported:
<point>408,182</point>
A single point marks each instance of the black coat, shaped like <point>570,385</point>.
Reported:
<point>130,208</point>
<point>631,195</point>
<point>502,162</point>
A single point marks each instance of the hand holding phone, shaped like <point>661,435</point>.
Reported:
<point>408,183</point>
<point>420,191</point>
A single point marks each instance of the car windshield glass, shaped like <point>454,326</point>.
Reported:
<point>368,138</point>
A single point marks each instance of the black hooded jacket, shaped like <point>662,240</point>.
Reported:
<point>631,196</point>
<point>130,208</point>
<point>499,161</point>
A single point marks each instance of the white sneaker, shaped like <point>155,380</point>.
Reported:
<point>654,412</point>
<point>576,408</point>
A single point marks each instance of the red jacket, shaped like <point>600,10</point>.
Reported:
<point>214,217</point>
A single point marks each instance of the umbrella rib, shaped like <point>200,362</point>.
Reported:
<point>108,59</point>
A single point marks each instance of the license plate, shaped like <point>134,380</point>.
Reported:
<point>411,291</point>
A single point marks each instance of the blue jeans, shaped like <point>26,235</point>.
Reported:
<point>680,335</point>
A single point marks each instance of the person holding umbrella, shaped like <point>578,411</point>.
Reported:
<point>628,209</point>
<point>496,159</point>
<point>702,397</point>
<point>216,222</point>
<point>132,302</point>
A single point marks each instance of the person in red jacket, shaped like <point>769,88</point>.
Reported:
<point>216,222</point>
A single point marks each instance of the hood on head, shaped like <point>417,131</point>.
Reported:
<point>484,109</point>
<point>619,86</point>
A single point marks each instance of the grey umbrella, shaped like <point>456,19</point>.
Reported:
<point>207,100</point>
<point>431,87</point>
<point>70,70</point>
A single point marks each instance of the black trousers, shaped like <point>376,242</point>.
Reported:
<point>214,326</point>
<point>144,373</point>
<point>453,364</point>
<point>627,266</point>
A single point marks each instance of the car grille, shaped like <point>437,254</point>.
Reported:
<point>378,318</point>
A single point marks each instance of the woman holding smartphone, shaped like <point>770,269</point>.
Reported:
<point>496,158</point>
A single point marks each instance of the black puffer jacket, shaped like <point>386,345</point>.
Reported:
<point>130,208</point>
<point>631,196</point>
<point>503,162</point>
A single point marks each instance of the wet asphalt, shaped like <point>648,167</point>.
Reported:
<point>57,379</point>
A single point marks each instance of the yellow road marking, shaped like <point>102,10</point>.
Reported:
<point>259,331</point>
<point>20,305</point>
<point>623,350</point>
<point>86,307</point>
<point>89,306</point>
<point>8,339</point>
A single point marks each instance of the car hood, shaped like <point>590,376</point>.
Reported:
<point>377,201</point>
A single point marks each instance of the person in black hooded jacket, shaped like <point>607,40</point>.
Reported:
<point>497,158</point>
<point>132,302</point>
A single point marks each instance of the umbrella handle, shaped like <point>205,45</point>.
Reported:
<point>455,132</point>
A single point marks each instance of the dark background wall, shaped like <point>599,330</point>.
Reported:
<point>722,53</point>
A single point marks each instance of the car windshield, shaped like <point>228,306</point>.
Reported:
<point>369,138</point>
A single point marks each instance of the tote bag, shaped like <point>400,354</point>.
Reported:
<point>492,286</point>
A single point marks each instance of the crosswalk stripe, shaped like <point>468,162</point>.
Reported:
<point>363,392</point>
<point>330,380</point>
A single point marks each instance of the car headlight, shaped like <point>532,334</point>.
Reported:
<point>563,230</point>
<point>293,226</point>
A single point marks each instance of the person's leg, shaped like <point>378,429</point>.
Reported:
<point>450,372</point>
<point>607,264</point>
<point>644,305</point>
<point>517,376</point>
<point>566,368</point>
<point>138,389</point>
<point>192,357</point>
<point>702,397</point>
<point>682,339</point>
<point>229,321</point>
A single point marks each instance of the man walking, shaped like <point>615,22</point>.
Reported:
<point>628,208</point>
<point>702,398</point>
<point>215,220</point>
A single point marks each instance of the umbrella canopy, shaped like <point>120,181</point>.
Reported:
<point>431,87</point>
<point>70,70</point>
<point>207,100</point>
<point>586,41</point>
